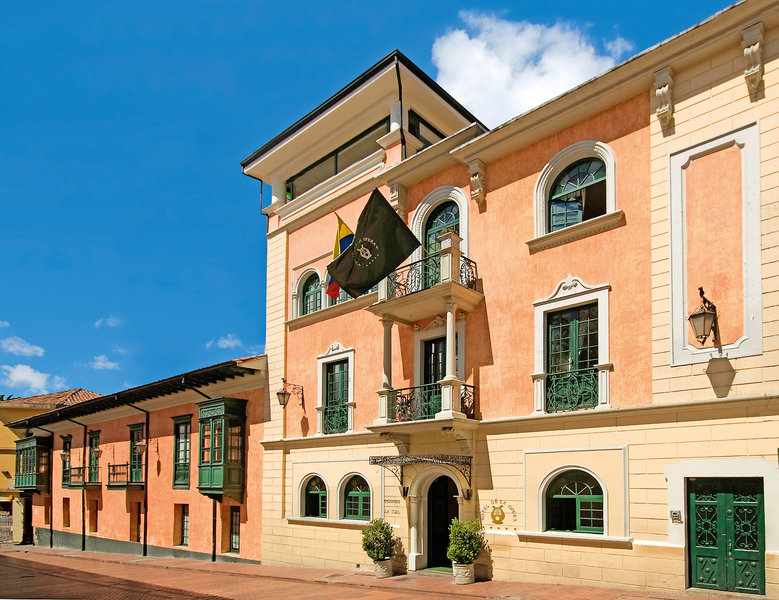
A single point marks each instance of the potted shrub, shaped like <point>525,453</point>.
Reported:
<point>379,545</point>
<point>465,546</point>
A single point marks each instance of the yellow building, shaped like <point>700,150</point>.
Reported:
<point>535,367</point>
<point>12,501</point>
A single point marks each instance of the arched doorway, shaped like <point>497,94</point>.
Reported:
<point>442,507</point>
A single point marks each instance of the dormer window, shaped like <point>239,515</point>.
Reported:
<point>359,147</point>
<point>422,130</point>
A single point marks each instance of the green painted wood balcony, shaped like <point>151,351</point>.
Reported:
<point>33,462</point>
<point>222,447</point>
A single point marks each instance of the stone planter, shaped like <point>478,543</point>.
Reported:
<point>463,573</point>
<point>383,568</point>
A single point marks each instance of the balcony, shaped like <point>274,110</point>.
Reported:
<point>75,477</point>
<point>424,402</point>
<point>335,418</point>
<point>125,476</point>
<point>424,287</point>
<point>572,390</point>
<point>33,457</point>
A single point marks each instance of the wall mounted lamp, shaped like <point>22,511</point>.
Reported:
<point>141,445</point>
<point>703,321</point>
<point>287,390</point>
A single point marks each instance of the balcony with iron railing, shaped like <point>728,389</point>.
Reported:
<point>77,477</point>
<point>423,402</point>
<point>422,288</point>
<point>335,418</point>
<point>572,390</point>
<point>125,475</point>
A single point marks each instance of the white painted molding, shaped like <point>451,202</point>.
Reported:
<point>301,500</point>
<point>562,160</point>
<point>570,293</point>
<point>478,172</point>
<point>664,108</point>
<point>678,473</point>
<point>429,203</point>
<point>335,352</point>
<point>341,505</point>
<point>752,42</point>
<point>297,290</point>
<point>747,138</point>
<point>550,477</point>
<point>398,199</point>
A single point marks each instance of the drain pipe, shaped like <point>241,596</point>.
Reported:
<point>145,480</point>
<point>213,530</point>
<point>83,488</point>
<point>51,488</point>
<point>400,101</point>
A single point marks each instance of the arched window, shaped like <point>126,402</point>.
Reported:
<point>574,502</point>
<point>357,499</point>
<point>315,498</point>
<point>310,296</point>
<point>445,216</point>
<point>578,194</point>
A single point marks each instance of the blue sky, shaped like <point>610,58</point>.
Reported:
<point>133,247</point>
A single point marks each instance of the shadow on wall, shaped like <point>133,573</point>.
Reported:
<point>721,374</point>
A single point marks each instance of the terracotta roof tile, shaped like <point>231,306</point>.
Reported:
<point>55,399</point>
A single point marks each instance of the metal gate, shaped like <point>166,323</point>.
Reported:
<point>727,534</point>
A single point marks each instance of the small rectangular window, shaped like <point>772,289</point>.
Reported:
<point>66,442</point>
<point>136,522</point>
<point>46,514</point>
<point>235,529</point>
<point>66,512</point>
<point>180,524</point>
<point>93,510</point>
<point>422,130</point>
<point>182,428</point>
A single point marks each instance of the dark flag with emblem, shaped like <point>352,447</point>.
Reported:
<point>381,242</point>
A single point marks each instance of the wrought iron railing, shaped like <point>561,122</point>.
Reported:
<point>423,402</point>
<point>423,274</point>
<point>572,390</point>
<point>335,418</point>
<point>468,272</point>
<point>124,474</point>
<point>414,277</point>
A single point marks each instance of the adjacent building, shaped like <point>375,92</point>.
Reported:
<point>16,506</point>
<point>170,468</point>
<point>532,365</point>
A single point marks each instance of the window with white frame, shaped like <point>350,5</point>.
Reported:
<point>577,186</point>
<point>315,498</point>
<point>572,348</point>
<point>357,499</point>
<point>335,390</point>
<point>458,204</point>
<point>574,503</point>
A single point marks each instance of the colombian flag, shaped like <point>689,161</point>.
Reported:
<point>343,238</point>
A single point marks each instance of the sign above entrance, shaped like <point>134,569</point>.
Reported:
<point>395,464</point>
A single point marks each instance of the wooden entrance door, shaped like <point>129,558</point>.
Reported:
<point>727,534</point>
<point>441,509</point>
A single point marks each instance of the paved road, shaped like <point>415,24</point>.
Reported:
<point>57,574</point>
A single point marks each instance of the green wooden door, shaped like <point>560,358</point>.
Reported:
<point>727,534</point>
<point>434,369</point>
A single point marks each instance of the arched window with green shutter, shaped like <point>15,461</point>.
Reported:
<point>443,217</point>
<point>578,194</point>
<point>357,499</point>
<point>310,296</point>
<point>315,498</point>
<point>574,502</point>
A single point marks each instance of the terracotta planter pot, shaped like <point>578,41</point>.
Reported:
<point>463,573</point>
<point>383,568</point>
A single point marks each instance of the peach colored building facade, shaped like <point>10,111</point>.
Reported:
<point>533,367</point>
<point>127,470</point>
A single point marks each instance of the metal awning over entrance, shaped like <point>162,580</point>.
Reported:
<point>395,464</point>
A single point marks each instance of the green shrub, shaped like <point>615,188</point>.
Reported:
<point>465,542</point>
<point>377,540</point>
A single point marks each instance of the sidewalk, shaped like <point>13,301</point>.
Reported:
<point>232,580</point>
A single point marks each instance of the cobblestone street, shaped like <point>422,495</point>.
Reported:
<point>32,572</point>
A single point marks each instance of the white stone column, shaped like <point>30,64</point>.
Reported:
<point>450,254</point>
<point>416,558</point>
<point>451,386</point>
<point>451,340</point>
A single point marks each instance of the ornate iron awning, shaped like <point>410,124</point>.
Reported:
<point>395,464</point>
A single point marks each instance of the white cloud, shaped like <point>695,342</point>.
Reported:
<point>32,381</point>
<point>4,324</point>
<point>101,363</point>
<point>500,69</point>
<point>119,350</point>
<point>110,321</point>
<point>19,347</point>
<point>226,341</point>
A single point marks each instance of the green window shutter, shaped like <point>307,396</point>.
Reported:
<point>182,429</point>
<point>568,198</point>
<point>316,498</point>
<point>574,503</point>
<point>311,297</point>
<point>336,412</point>
<point>571,357</point>
<point>445,216</point>
<point>357,504</point>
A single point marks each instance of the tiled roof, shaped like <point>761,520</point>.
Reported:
<point>53,400</point>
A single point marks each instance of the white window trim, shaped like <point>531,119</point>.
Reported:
<point>437,329</point>
<point>341,499</point>
<point>570,293</point>
<point>335,353</point>
<point>559,162</point>
<point>426,207</point>
<point>297,291</point>
<point>542,489</point>
<point>302,496</point>
<point>747,138</point>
